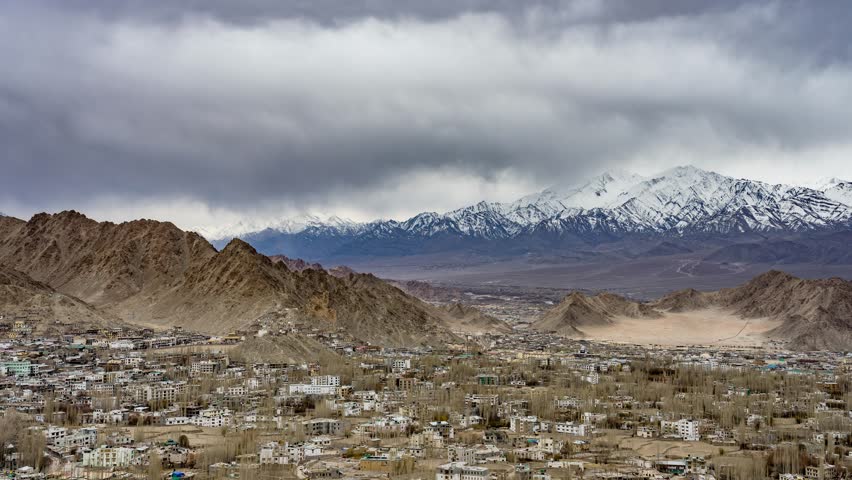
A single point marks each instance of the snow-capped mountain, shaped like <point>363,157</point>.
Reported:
<point>677,202</point>
<point>290,225</point>
<point>837,190</point>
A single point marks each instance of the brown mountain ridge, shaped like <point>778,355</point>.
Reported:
<point>154,274</point>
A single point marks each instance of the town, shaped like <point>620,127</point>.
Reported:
<point>119,403</point>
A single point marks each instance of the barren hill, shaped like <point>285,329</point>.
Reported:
<point>101,263</point>
<point>686,300</point>
<point>42,306</point>
<point>153,273</point>
<point>467,319</point>
<point>816,314</point>
<point>578,310</point>
<point>809,314</point>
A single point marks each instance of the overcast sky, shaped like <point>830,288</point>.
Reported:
<point>204,112</point>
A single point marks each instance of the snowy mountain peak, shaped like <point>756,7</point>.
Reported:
<point>291,224</point>
<point>839,191</point>
<point>597,192</point>
<point>827,183</point>
<point>677,201</point>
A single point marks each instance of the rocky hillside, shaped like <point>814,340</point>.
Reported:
<point>296,264</point>
<point>101,263</point>
<point>43,307</point>
<point>814,314</point>
<point>299,265</point>
<point>152,273</point>
<point>457,317</point>
<point>283,349</point>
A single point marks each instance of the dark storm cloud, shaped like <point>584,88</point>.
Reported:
<point>231,105</point>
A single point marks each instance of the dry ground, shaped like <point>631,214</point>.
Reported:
<point>702,327</point>
<point>651,447</point>
<point>198,436</point>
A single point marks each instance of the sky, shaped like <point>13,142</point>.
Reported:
<point>208,112</point>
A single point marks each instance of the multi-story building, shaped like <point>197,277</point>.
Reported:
<point>323,426</point>
<point>460,471</point>
<point>571,428</point>
<point>685,429</point>
<point>326,380</point>
<point>273,453</point>
<point>108,457</point>
<point>18,368</point>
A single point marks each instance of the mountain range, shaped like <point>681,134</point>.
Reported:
<point>66,269</point>
<point>153,274</point>
<point>679,203</point>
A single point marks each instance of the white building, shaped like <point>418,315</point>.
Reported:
<point>565,403</point>
<point>311,389</point>
<point>461,454</point>
<point>326,381</point>
<point>212,417</point>
<point>571,428</point>
<point>460,471</point>
<point>203,367</point>
<point>401,364</point>
<point>108,457</point>
<point>121,345</point>
<point>274,453</point>
<point>685,429</point>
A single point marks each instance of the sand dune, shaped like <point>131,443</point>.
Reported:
<point>710,326</point>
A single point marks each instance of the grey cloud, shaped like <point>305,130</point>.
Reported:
<point>236,104</point>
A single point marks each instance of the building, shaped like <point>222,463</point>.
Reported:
<point>311,389</point>
<point>442,428</point>
<point>460,471</point>
<point>401,364</point>
<point>326,381</point>
<point>273,453</point>
<point>571,428</point>
<point>204,367</point>
<point>478,400</point>
<point>380,463</point>
<point>528,424</point>
<point>108,457</point>
<point>323,426</point>
<point>461,454</point>
<point>685,429</point>
<point>18,368</point>
<point>164,392</point>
